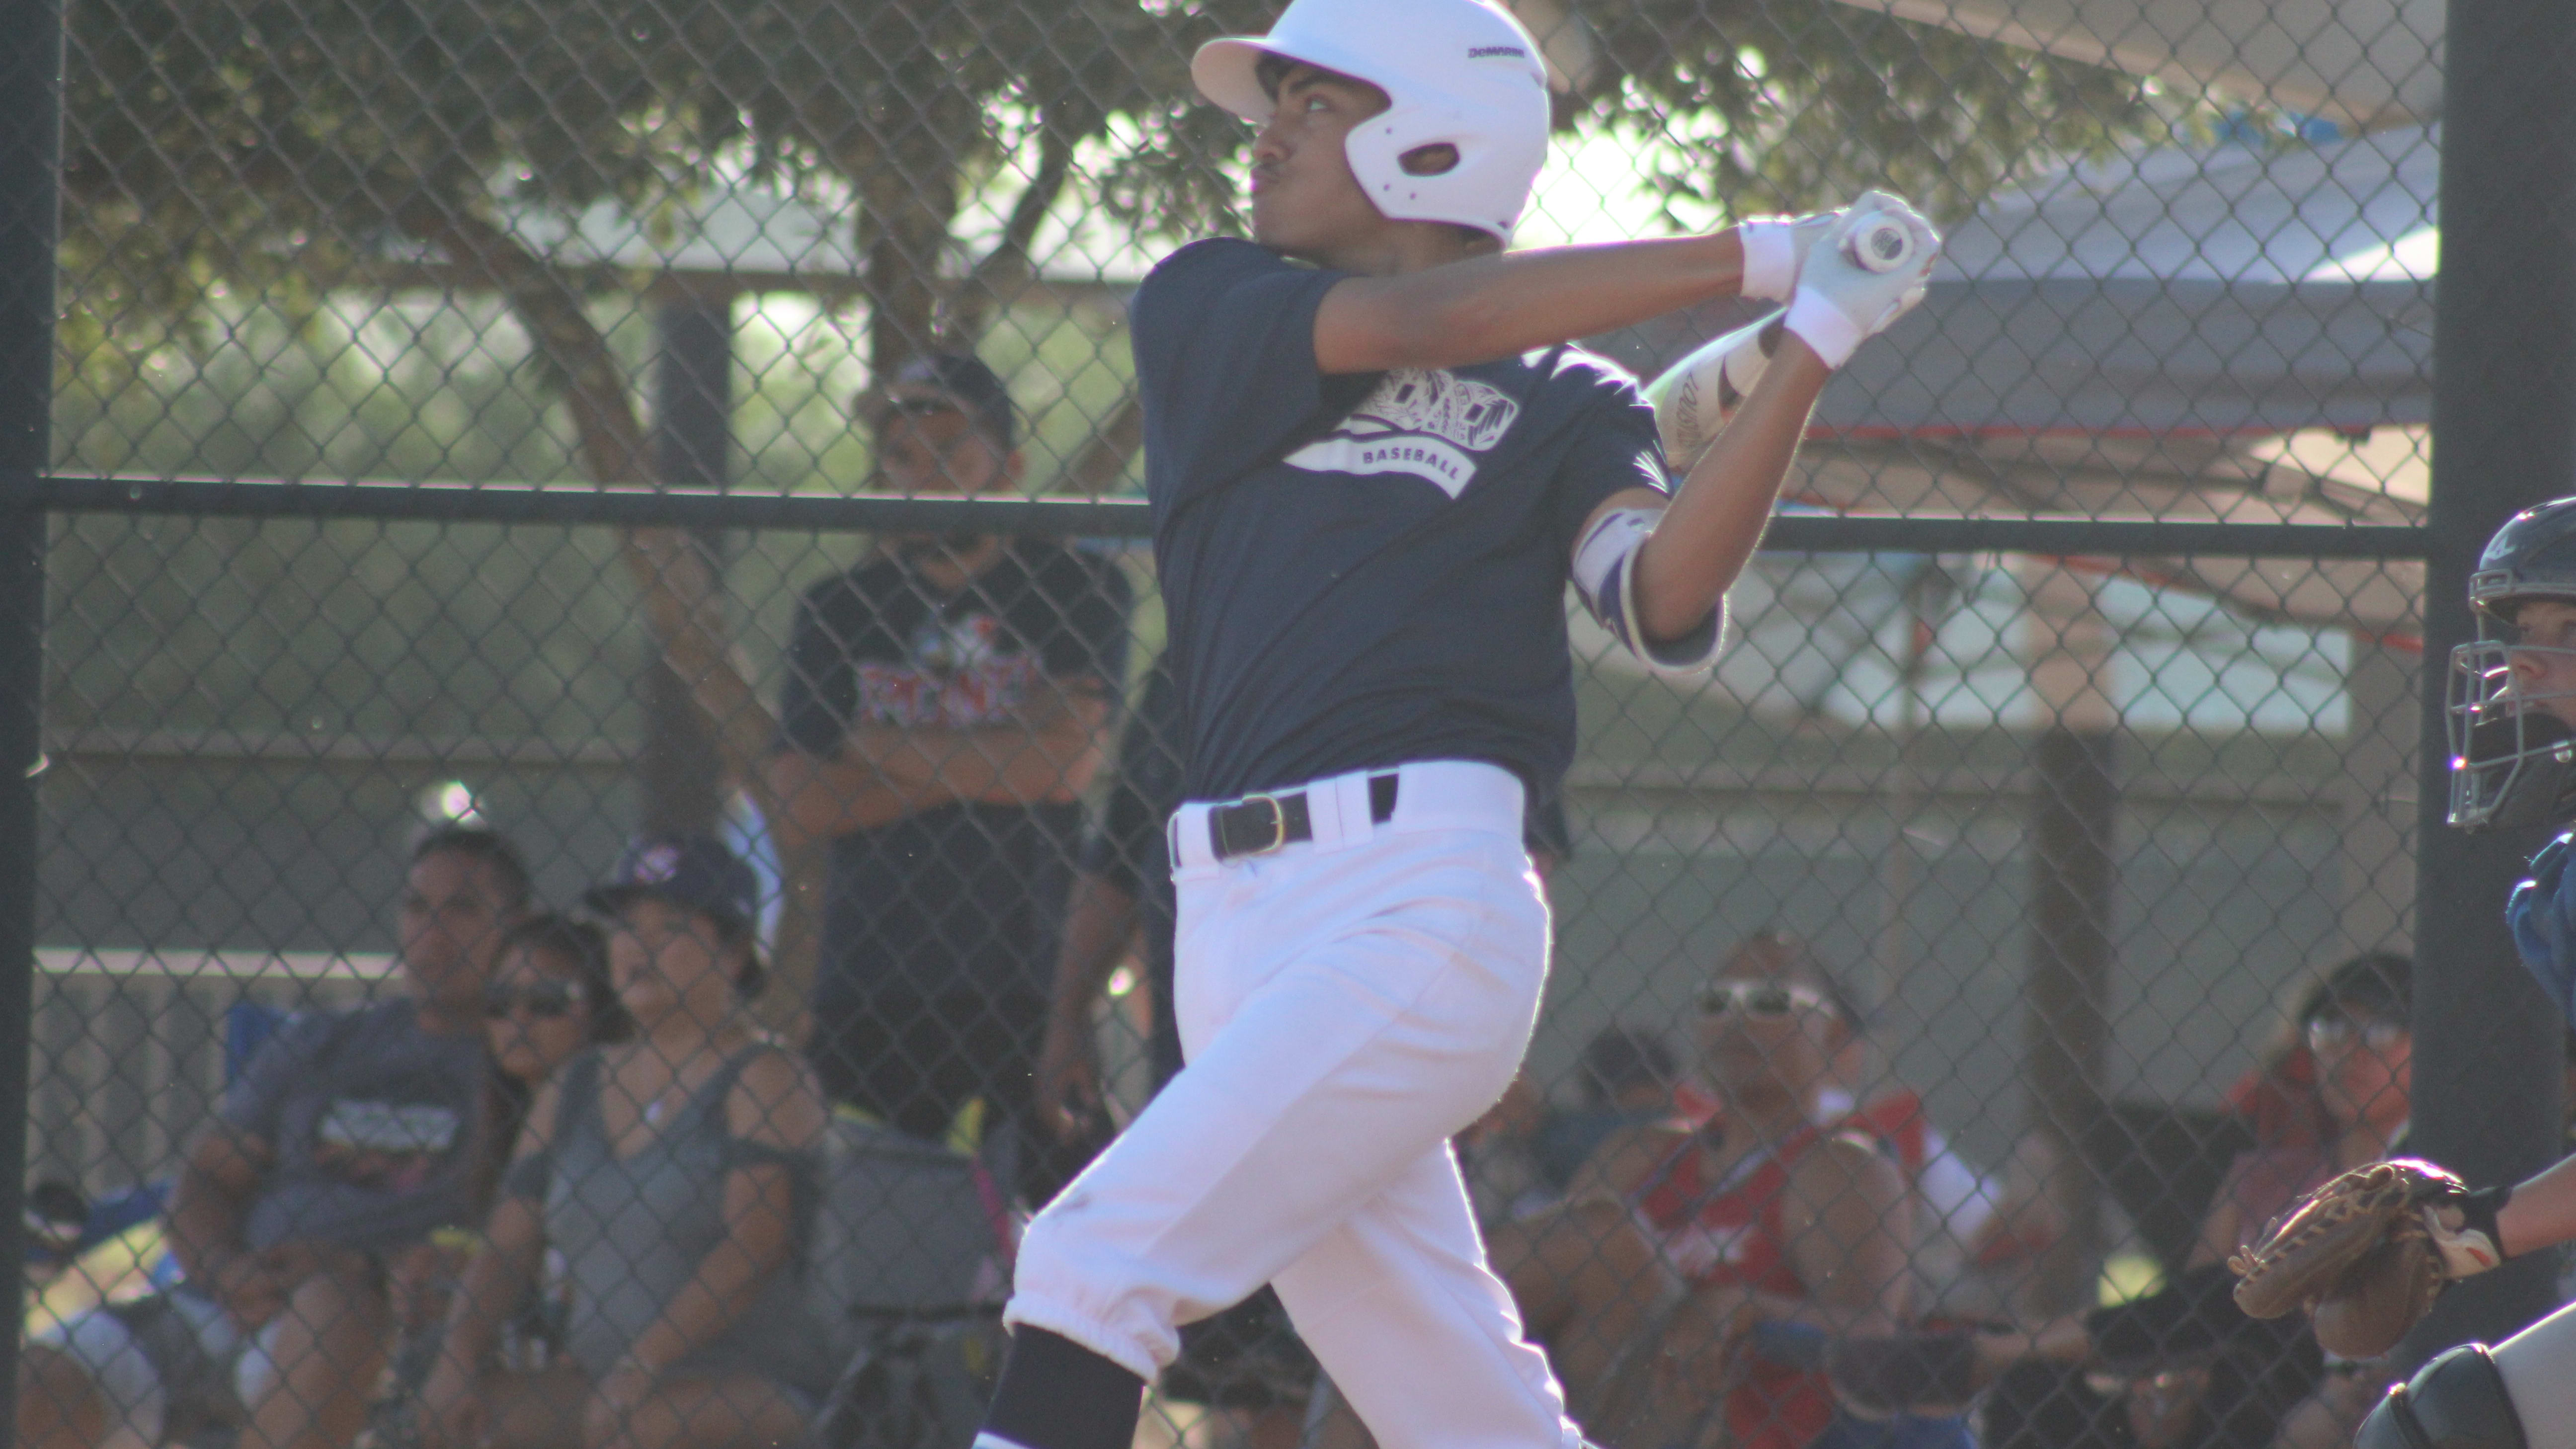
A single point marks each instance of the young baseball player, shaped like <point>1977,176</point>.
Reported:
<point>1374,468</point>
<point>2512,718</point>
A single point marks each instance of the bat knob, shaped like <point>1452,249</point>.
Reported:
<point>1882,245</point>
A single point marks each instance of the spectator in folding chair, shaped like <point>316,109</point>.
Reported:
<point>348,1141</point>
<point>551,996</point>
<point>2185,1365</point>
<point>1624,1079</point>
<point>941,718</point>
<point>678,1175</point>
<point>1693,1277</point>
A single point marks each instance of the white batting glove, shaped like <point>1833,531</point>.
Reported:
<point>1874,201</point>
<point>1776,247</point>
<point>1839,302</point>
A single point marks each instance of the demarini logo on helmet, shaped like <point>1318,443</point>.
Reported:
<point>1488,52</point>
<point>1426,423</point>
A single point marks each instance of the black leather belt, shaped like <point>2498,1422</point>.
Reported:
<point>1259,824</point>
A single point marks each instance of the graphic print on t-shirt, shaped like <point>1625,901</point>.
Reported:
<point>1434,425</point>
<point>387,1146</point>
<point>958,674</point>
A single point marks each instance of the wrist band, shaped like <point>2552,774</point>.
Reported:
<point>1770,258</point>
<point>2480,1208</point>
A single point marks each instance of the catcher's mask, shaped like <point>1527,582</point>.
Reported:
<point>2513,759</point>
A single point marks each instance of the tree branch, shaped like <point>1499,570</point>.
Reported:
<point>1008,267</point>
<point>683,600</point>
<point>1113,442</point>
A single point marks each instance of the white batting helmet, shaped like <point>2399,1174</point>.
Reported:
<point>1456,72</point>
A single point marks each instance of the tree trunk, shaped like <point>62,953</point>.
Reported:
<point>907,202</point>
<point>692,437</point>
<point>682,599</point>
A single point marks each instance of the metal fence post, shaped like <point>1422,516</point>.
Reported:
<point>30,142</point>
<point>2487,1056</point>
<point>693,444</point>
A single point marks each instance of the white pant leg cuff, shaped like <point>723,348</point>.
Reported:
<point>1135,1358</point>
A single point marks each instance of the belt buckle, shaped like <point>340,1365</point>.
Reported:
<point>1278,824</point>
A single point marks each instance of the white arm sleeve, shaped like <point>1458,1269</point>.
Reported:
<point>1605,577</point>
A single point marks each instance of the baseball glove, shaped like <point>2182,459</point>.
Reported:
<point>2366,1255</point>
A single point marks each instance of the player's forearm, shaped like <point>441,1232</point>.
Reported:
<point>1716,518</point>
<point>1500,306</point>
<point>2542,1212</point>
<point>1099,920</point>
<point>823,797</point>
<point>1840,1318</point>
<point>1051,757</point>
<point>494,1281</point>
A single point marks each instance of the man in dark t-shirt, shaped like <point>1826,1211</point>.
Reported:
<point>1374,467</point>
<point>941,717</point>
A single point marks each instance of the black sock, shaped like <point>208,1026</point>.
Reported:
<point>1056,1394</point>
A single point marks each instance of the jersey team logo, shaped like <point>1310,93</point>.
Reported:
<point>1429,424</point>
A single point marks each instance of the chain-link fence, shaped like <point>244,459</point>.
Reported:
<point>508,593</point>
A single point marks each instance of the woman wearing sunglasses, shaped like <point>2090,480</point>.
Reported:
<point>550,996</point>
<point>678,1175</point>
<point>1682,1254</point>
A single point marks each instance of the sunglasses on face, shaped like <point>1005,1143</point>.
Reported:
<point>1764,999</point>
<point>548,1002</point>
<point>2341,1033</point>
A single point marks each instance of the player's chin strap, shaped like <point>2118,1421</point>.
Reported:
<point>1605,577</point>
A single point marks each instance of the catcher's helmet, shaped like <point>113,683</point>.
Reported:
<point>1457,72</point>
<point>2512,763</point>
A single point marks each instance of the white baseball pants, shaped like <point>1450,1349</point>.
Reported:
<point>2538,1366</point>
<point>1346,1006</point>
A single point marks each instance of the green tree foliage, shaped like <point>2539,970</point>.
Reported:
<point>231,160</point>
<point>277,145</point>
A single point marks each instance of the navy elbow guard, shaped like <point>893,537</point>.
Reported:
<point>1605,568</point>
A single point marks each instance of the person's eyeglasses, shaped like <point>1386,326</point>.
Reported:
<point>1758,998</point>
<point>547,1002</point>
<point>2339,1033</point>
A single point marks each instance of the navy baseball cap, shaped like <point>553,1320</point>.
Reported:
<point>950,382</point>
<point>695,871</point>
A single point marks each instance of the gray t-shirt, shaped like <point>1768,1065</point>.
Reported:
<point>372,1120</point>
<point>633,1230</point>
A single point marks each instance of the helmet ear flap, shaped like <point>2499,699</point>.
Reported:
<point>1485,183</point>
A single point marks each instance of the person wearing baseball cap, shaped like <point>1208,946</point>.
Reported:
<point>697,874</point>
<point>948,382</point>
<point>1375,463</point>
<point>676,1174</point>
<point>947,701</point>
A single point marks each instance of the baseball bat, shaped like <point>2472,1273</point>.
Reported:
<point>1879,244</point>
<point>1695,396</point>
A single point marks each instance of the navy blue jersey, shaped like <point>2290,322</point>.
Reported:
<point>2542,913</point>
<point>1364,570</point>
